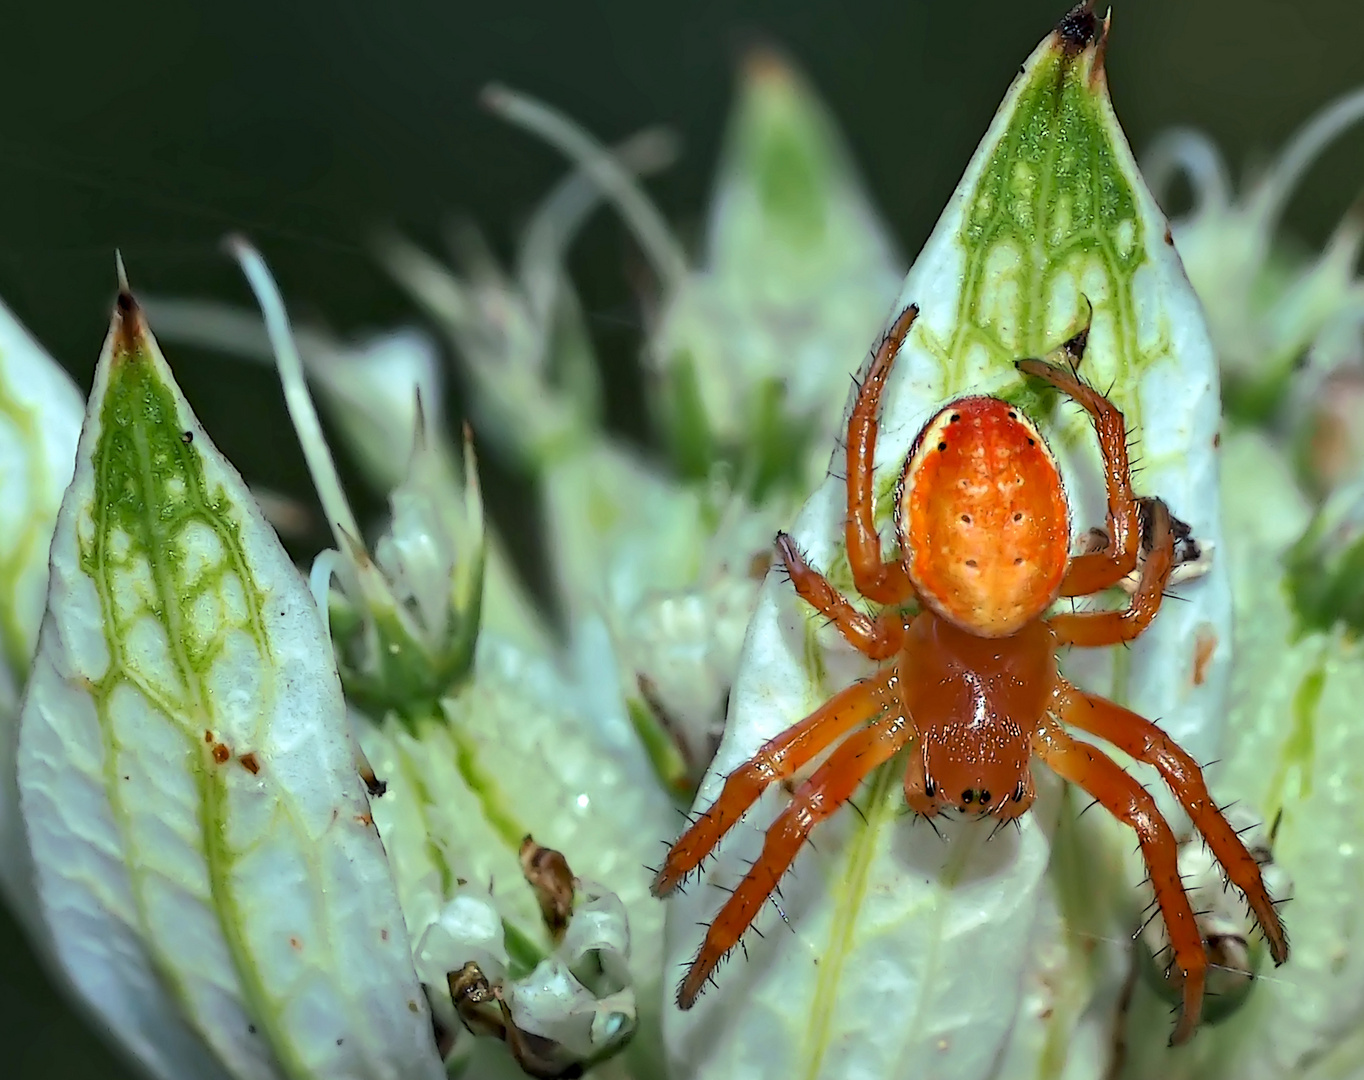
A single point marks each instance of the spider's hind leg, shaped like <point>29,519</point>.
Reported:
<point>1098,570</point>
<point>1091,629</point>
<point>876,579</point>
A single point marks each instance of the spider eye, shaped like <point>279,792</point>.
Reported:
<point>984,798</point>
<point>966,797</point>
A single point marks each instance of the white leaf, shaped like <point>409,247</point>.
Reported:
<point>40,418</point>
<point>207,866</point>
<point>911,956</point>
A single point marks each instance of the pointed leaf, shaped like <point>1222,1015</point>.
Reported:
<point>911,956</point>
<point>214,885</point>
<point>40,417</point>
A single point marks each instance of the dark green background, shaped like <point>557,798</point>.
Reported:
<point>157,128</point>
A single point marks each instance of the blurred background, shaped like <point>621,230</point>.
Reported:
<point>158,127</point>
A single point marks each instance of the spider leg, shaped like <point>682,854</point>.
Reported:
<point>876,579</point>
<point>777,759</point>
<point>1142,740</point>
<point>878,638</point>
<point>832,784</point>
<point>1098,570</point>
<point>1090,768</point>
<point>1093,628</point>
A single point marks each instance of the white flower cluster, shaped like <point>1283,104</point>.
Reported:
<point>391,819</point>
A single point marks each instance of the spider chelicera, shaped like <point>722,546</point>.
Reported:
<point>971,679</point>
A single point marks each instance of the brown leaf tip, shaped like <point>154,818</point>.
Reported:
<point>1078,29</point>
<point>128,324</point>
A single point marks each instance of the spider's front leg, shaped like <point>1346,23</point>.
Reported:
<point>876,579</point>
<point>832,784</point>
<point>1095,628</point>
<point>1090,768</point>
<point>778,759</point>
<point>1098,570</point>
<point>1140,739</point>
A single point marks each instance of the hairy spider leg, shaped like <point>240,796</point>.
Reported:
<point>1098,570</point>
<point>778,758</point>
<point>878,638</point>
<point>878,580</point>
<point>1094,628</point>
<point>1090,768</point>
<point>1142,740</point>
<point>832,784</point>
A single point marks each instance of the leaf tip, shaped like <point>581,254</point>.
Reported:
<point>1081,33</point>
<point>1079,28</point>
<point>129,324</point>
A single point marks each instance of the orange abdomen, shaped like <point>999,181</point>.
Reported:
<point>984,522</point>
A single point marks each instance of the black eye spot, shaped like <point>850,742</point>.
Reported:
<point>966,797</point>
<point>971,563</point>
<point>1018,561</point>
<point>1013,415</point>
<point>984,797</point>
<point>966,519</point>
<point>956,417</point>
<point>1018,515</point>
<point>942,446</point>
<point>1032,441</point>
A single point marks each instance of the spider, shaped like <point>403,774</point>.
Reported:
<point>971,679</point>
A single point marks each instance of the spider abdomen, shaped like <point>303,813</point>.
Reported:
<point>983,517</point>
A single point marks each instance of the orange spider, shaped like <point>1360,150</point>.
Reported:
<point>971,679</point>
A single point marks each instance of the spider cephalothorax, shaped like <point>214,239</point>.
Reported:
<point>970,682</point>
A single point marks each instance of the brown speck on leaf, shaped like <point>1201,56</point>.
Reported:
<point>373,784</point>
<point>250,762</point>
<point>221,753</point>
<point>551,879</point>
<point>1169,236</point>
<point>1205,644</point>
<point>383,935</point>
<point>364,819</point>
<point>1217,440</point>
<point>208,737</point>
<point>759,565</point>
<point>295,944</point>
